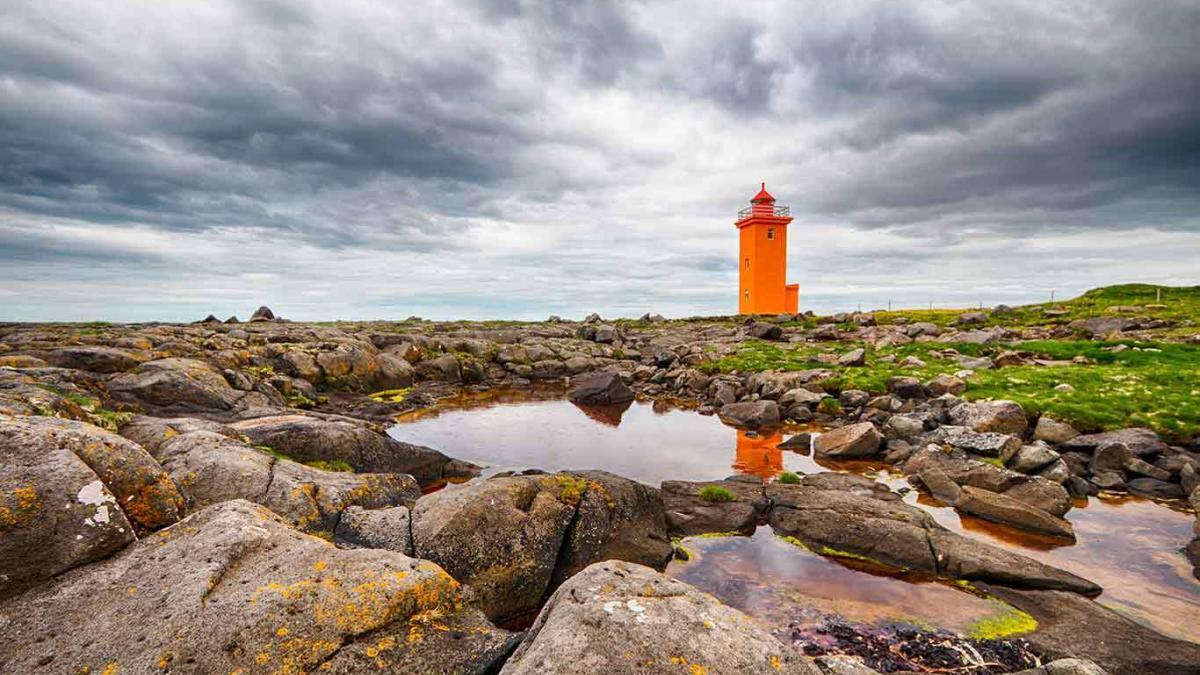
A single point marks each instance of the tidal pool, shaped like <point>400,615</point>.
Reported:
<point>1130,546</point>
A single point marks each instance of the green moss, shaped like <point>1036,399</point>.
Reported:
<point>331,465</point>
<point>788,478</point>
<point>391,395</point>
<point>716,493</point>
<point>109,419</point>
<point>298,400</point>
<point>835,553</point>
<point>570,488</point>
<point>716,535</point>
<point>273,452</point>
<point>994,461</point>
<point>1009,622</point>
<point>260,372</point>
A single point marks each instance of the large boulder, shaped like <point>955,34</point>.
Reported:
<point>211,468</point>
<point>175,384</point>
<point>615,519</point>
<point>307,439</point>
<point>599,388</point>
<point>97,359</point>
<point>623,619</point>
<point>501,536</point>
<point>1001,417</point>
<point>764,331</point>
<point>234,589</point>
<point>55,511</point>
<point>716,506</point>
<point>850,442</point>
<point>750,414</point>
<point>151,432</point>
<point>845,518</point>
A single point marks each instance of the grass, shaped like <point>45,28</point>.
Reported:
<point>1180,304</point>
<point>104,418</point>
<point>716,493</point>
<point>1148,384</point>
<point>788,478</point>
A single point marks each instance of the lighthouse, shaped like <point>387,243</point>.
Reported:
<point>762,258</point>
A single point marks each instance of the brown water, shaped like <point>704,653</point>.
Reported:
<point>1130,546</point>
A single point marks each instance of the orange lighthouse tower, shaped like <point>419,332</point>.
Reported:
<point>762,259</point>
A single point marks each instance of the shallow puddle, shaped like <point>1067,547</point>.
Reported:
<point>1130,546</point>
<point>781,583</point>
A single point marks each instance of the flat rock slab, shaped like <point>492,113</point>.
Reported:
<point>618,618</point>
<point>1003,509</point>
<point>305,439</point>
<point>234,589</point>
<point>690,514</point>
<point>1073,626</point>
<point>860,523</point>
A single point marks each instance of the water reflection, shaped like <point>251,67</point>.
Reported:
<point>781,584</point>
<point>1130,546</point>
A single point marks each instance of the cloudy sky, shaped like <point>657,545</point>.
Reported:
<point>512,159</point>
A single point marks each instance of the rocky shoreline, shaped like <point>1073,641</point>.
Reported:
<point>221,496</point>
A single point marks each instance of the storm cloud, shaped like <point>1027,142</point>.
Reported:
<point>513,159</point>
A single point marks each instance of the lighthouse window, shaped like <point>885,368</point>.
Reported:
<point>770,233</point>
<point>747,293</point>
<point>747,263</point>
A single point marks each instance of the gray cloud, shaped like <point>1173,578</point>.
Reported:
<point>518,158</point>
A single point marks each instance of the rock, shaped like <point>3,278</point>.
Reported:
<point>764,331</point>
<point>175,384</point>
<point>902,427</point>
<point>623,619</point>
<point>599,388</point>
<point>1002,417</point>
<point>940,486</point>
<point>1053,431</point>
<point>1058,472</point>
<point>1111,456</point>
<point>1003,509</point>
<point>615,519</point>
<point>887,530</point>
<point>233,588</point>
<point>850,441</point>
<point>592,318</point>
<point>152,432</point>
<point>55,511</point>
<point>1069,624</point>
<point>800,397</point>
<point>1189,479</point>
<point>1066,667</point>
<point>500,536</point>
<point>853,398</point>
<point>906,387</point>
<point>988,444</point>
<point>971,319</point>
<point>388,528</point>
<point>1032,457</point>
<point>854,357</point>
<point>211,468</point>
<point>945,384</point>
<point>307,439</point>
<point>444,368</point>
<point>750,414</point>
<point>1141,442</point>
<point>689,514</point>
<point>1152,487</point>
<point>96,359</point>
<point>1109,480</point>
<point>1144,468</point>
<point>963,469</point>
<point>232,319</point>
<point>1042,493</point>
<point>1101,326</point>
<point>263,313</point>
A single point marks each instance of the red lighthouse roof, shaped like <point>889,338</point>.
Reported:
<point>762,196</point>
